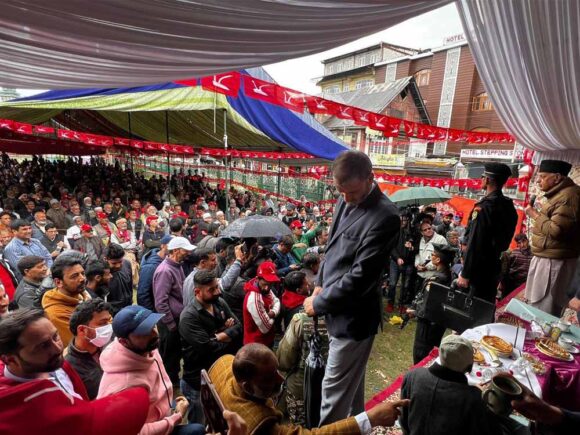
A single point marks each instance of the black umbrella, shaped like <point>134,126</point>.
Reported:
<point>314,367</point>
<point>256,226</point>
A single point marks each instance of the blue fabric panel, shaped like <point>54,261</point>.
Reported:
<point>284,126</point>
<point>78,93</point>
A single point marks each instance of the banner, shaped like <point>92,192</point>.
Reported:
<point>487,154</point>
<point>388,160</point>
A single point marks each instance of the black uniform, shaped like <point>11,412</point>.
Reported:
<point>489,232</point>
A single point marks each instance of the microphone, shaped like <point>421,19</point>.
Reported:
<point>532,200</point>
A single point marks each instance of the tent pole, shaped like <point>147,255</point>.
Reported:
<point>131,137</point>
<point>227,161</point>
<point>167,141</point>
<point>279,176</point>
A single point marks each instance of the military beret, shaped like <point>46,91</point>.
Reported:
<point>499,170</point>
<point>555,167</point>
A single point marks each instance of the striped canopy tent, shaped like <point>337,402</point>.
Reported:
<point>179,114</point>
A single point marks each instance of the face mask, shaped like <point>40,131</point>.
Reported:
<point>103,337</point>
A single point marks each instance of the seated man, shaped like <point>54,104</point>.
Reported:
<point>248,383</point>
<point>42,393</point>
<point>518,265</point>
<point>441,400</point>
<point>285,261</point>
<point>132,359</point>
<point>90,325</point>
<point>59,303</point>
<point>208,330</point>
<point>28,293</point>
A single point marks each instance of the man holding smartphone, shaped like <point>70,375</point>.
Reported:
<point>208,330</point>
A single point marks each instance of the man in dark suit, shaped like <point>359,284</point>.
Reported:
<point>365,227</point>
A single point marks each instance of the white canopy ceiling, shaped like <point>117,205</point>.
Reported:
<point>527,52</point>
<point>62,44</point>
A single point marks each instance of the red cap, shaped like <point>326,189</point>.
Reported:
<point>101,215</point>
<point>295,224</point>
<point>267,271</point>
<point>151,219</point>
<point>86,227</point>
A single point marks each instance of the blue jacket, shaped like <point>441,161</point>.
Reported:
<point>149,264</point>
<point>283,262</point>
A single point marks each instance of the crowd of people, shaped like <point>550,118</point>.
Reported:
<point>111,282</point>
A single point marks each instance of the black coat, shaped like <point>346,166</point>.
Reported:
<point>489,232</point>
<point>356,255</point>
<point>87,367</point>
<point>121,288</point>
<point>197,328</point>
<point>443,403</point>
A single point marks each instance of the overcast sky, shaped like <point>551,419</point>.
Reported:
<point>425,31</point>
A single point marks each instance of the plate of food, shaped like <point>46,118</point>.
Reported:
<point>569,346</point>
<point>553,349</point>
<point>498,344</point>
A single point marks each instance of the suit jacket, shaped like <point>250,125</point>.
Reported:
<point>356,254</point>
<point>81,246</point>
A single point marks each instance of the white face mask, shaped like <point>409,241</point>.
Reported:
<point>103,337</point>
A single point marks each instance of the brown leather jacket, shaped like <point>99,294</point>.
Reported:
<point>556,231</point>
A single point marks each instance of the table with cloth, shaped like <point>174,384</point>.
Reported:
<point>559,385</point>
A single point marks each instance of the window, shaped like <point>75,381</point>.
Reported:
<point>422,77</point>
<point>334,89</point>
<point>481,103</point>
<point>362,84</point>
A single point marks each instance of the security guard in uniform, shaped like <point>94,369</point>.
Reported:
<point>489,232</point>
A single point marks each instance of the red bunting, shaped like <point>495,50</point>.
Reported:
<point>290,99</point>
<point>345,112</point>
<point>260,89</point>
<point>320,105</point>
<point>7,124</point>
<point>226,83</point>
<point>124,142</point>
<point>22,127</point>
<point>42,129</point>
<point>409,128</point>
<point>187,82</point>
<point>360,117</point>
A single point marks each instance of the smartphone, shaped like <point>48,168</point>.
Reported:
<point>213,408</point>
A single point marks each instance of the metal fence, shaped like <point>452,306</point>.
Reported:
<point>281,185</point>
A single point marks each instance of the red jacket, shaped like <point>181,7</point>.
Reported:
<point>40,406</point>
<point>258,326</point>
<point>8,280</point>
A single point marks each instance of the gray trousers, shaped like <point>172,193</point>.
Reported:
<point>343,386</point>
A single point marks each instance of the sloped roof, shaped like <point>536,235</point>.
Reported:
<point>374,99</point>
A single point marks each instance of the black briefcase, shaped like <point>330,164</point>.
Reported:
<point>456,308</point>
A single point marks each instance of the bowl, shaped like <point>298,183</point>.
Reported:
<point>564,325</point>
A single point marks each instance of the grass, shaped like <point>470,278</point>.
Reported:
<point>392,355</point>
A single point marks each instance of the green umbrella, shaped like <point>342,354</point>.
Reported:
<point>419,196</point>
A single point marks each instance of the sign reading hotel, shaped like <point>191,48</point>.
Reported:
<point>388,160</point>
<point>487,154</point>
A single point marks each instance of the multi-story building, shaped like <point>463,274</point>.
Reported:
<point>445,90</point>
<point>8,94</point>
